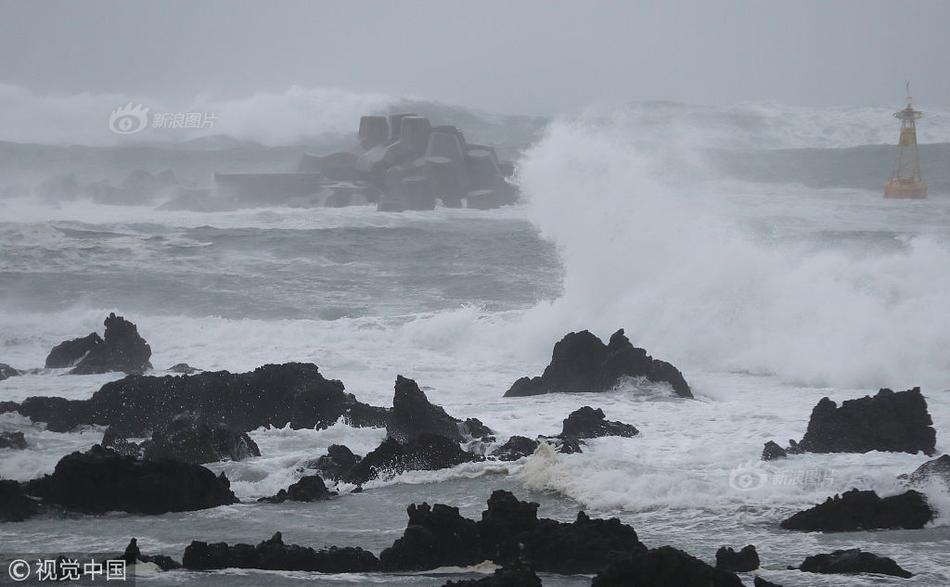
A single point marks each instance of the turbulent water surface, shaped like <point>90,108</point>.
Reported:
<point>769,292</point>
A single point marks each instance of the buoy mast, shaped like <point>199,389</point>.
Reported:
<point>905,182</point>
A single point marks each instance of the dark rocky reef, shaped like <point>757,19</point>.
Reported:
<point>413,414</point>
<point>335,464</point>
<point>6,371</point>
<point>937,469</point>
<point>760,582</point>
<point>101,480</point>
<point>516,574</point>
<point>743,561</point>
<point>863,510</point>
<point>15,506</point>
<point>515,448</point>
<point>310,488</point>
<point>508,531</point>
<point>272,395</point>
<point>425,452</point>
<point>187,438</point>
<point>122,349</point>
<point>663,567</point>
<point>889,421</point>
<point>184,369</point>
<point>851,562</point>
<point>70,352</point>
<point>582,362</point>
<point>773,451</point>
<point>586,422</point>
<point>133,555</point>
<point>273,554</point>
<point>14,440</point>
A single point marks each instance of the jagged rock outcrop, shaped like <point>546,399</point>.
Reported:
<point>272,395</point>
<point>509,529</point>
<point>310,488</point>
<point>101,480</point>
<point>133,555</point>
<point>426,452</point>
<point>6,371</point>
<point>190,439</point>
<point>515,448</point>
<point>14,440</point>
<point>335,464</point>
<point>586,422</point>
<point>863,510</point>
<point>937,469</point>
<point>743,561</point>
<point>853,561</point>
<point>70,352</point>
<point>122,349</point>
<point>663,567</point>
<point>582,362</point>
<point>889,421</point>
<point>273,554</point>
<point>773,451</point>
<point>413,414</point>
<point>15,506</point>
<point>516,574</point>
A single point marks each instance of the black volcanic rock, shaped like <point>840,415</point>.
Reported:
<point>426,452</point>
<point>338,460</point>
<point>582,362</point>
<point>742,561</point>
<point>889,421</point>
<point>663,567</point>
<point>272,395</point>
<point>188,438</point>
<point>122,349</point>
<point>14,505</point>
<point>310,488</point>
<point>515,448</point>
<point>13,440</point>
<point>273,554</point>
<point>413,414</point>
<point>435,536</point>
<point>586,422</point>
<point>6,371</point>
<point>517,574</point>
<point>760,582</point>
<point>773,451</point>
<point>133,555</point>
<point>936,469</point>
<point>183,369</point>
<point>100,480</point>
<point>70,352</point>
<point>863,510</point>
<point>853,561</point>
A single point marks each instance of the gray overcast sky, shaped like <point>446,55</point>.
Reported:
<point>525,56</point>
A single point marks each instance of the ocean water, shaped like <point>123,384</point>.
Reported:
<point>768,290</point>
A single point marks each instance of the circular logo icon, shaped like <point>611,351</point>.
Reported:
<point>19,570</point>
<point>128,119</point>
<point>748,476</point>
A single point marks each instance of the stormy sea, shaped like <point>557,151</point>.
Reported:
<point>750,246</point>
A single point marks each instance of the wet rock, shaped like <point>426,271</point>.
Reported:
<point>413,414</point>
<point>70,352</point>
<point>14,440</point>
<point>15,506</point>
<point>863,510</point>
<point>426,452</point>
<point>122,350</point>
<point>935,470</point>
<point>473,428</point>
<point>100,480</point>
<point>435,536</point>
<point>853,561</point>
<point>133,555</point>
<point>188,438</point>
<point>517,574</point>
<point>183,369</point>
<point>335,464</point>
<point>310,488</point>
<point>273,554</point>
<point>760,582</point>
<point>6,371</point>
<point>773,451</point>
<point>743,561</point>
<point>515,448</point>
<point>889,421</point>
<point>272,395</point>
<point>582,362</point>
<point>663,567</point>
<point>567,445</point>
<point>586,422</point>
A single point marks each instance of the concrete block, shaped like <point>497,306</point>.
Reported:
<point>374,130</point>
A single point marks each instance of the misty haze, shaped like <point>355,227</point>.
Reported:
<point>491,294</point>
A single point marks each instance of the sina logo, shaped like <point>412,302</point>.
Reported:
<point>128,119</point>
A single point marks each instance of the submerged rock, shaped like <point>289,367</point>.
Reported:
<point>889,421</point>
<point>516,574</point>
<point>863,510</point>
<point>760,582</point>
<point>587,422</point>
<point>582,362</point>
<point>70,352</point>
<point>335,464</point>
<point>187,438</point>
<point>101,480</point>
<point>743,561</point>
<point>663,567</point>
<point>273,554</point>
<point>515,448</point>
<point>310,488</point>
<point>15,506</point>
<point>6,371</point>
<point>122,349</point>
<point>426,452</point>
<point>936,469</point>
<point>773,451</point>
<point>183,369</point>
<point>853,561</point>
<point>14,440</point>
